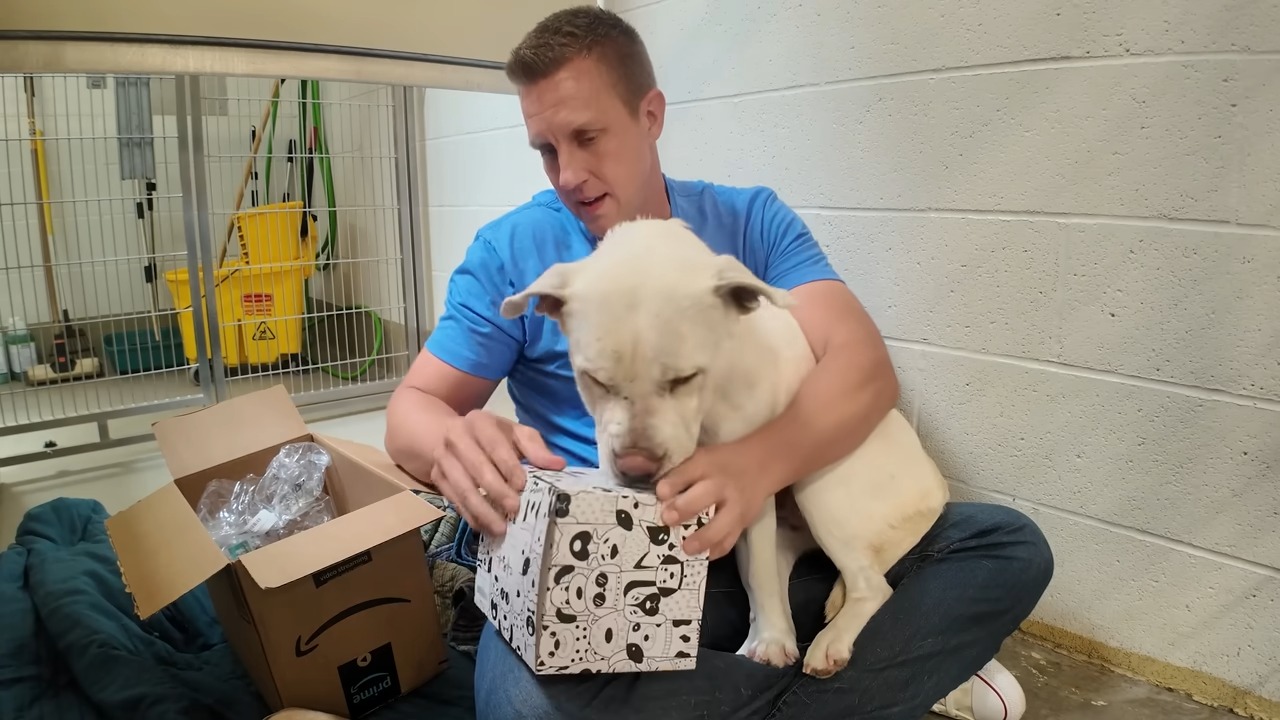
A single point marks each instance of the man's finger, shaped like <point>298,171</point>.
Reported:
<point>496,446</point>
<point>501,447</point>
<point>441,481</point>
<point>686,506</point>
<point>470,501</point>
<point>724,547</point>
<point>714,533</point>
<point>475,460</point>
<point>535,450</point>
<point>679,479</point>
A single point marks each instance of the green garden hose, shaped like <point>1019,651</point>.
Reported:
<point>312,88</point>
<point>309,100</point>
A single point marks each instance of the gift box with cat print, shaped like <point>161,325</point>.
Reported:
<point>588,579</point>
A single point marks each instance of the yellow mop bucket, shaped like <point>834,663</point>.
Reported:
<point>272,234</point>
<point>260,311</point>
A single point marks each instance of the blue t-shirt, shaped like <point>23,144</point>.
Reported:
<point>508,254</point>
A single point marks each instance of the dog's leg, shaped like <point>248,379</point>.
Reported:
<point>848,532</point>
<point>772,638</point>
<point>835,601</point>
<point>864,593</point>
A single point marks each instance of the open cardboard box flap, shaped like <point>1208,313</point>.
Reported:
<point>163,549</point>
<point>373,459</point>
<point>297,556</point>
<point>226,431</point>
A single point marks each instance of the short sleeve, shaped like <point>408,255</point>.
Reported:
<point>792,255</point>
<point>471,335</point>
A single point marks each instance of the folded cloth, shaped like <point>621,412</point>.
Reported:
<point>73,647</point>
<point>452,537</point>
<point>454,580</point>
<point>438,536</point>
<point>466,545</point>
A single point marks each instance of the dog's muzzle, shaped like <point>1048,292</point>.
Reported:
<point>637,467</point>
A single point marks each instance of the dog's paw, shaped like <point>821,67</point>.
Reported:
<point>773,649</point>
<point>830,652</point>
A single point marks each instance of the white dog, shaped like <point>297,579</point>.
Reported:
<point>672,348</point>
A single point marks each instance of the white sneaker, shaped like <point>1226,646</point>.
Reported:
<point>992,694</point>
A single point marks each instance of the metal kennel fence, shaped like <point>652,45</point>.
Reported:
<point>170,241</point>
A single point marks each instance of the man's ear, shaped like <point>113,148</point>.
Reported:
<point>741,290</point>
<point>551,288</point>
<point>653,108</point>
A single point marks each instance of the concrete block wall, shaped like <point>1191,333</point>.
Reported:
<point>478,166</point>
<point>1064,217</point>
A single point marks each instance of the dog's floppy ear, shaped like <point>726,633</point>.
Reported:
<point>551,288</point>
<point>742,290</point>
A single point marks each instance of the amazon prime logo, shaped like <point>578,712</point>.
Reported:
<point>302,648</point>
<point>369,681</point>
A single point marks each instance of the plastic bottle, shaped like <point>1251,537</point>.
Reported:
<point>21,347</point>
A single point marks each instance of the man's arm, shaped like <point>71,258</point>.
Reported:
<point>844,397</point>
<point>431,393</point>
<point>467,354</point>
<point>835,409</point>
<point>853,385</point>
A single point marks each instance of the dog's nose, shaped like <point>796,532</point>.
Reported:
<point>636,466</point>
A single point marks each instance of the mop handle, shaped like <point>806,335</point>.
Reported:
<point>244,180</point>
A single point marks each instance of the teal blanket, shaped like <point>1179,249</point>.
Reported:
<point>71,646</point>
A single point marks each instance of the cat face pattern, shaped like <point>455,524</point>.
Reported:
<point>620,595</point>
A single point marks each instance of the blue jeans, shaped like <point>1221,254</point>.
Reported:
<point>958,594</point>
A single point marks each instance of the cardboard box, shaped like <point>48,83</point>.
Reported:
<point>338,618</point>
<point>588,579</point>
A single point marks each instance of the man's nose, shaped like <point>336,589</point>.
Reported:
<point>572,170</point>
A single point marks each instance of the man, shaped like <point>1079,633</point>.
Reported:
<point>593,112</point>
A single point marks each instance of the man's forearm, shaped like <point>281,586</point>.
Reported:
<point>415,426</point>
<point>835,409</point>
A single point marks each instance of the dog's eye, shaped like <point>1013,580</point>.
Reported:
<point>594,381</point>
<point>677,383</point>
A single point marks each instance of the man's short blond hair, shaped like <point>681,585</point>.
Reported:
<point>585,32</point>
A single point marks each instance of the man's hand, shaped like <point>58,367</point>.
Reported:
<point>477,467</point>
<point>729,477</point>
<point>812,432</point>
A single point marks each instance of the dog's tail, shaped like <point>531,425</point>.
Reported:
<point>835,601</point>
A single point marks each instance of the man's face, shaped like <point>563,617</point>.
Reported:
<point>600,157</point>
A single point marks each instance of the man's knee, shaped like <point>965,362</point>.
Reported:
<point>1021,547</point>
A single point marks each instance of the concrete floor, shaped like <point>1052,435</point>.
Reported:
<point>1059,687</point>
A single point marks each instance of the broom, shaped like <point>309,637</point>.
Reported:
<point>69,361</point>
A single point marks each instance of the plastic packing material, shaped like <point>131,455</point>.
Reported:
<point>255,511</point>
